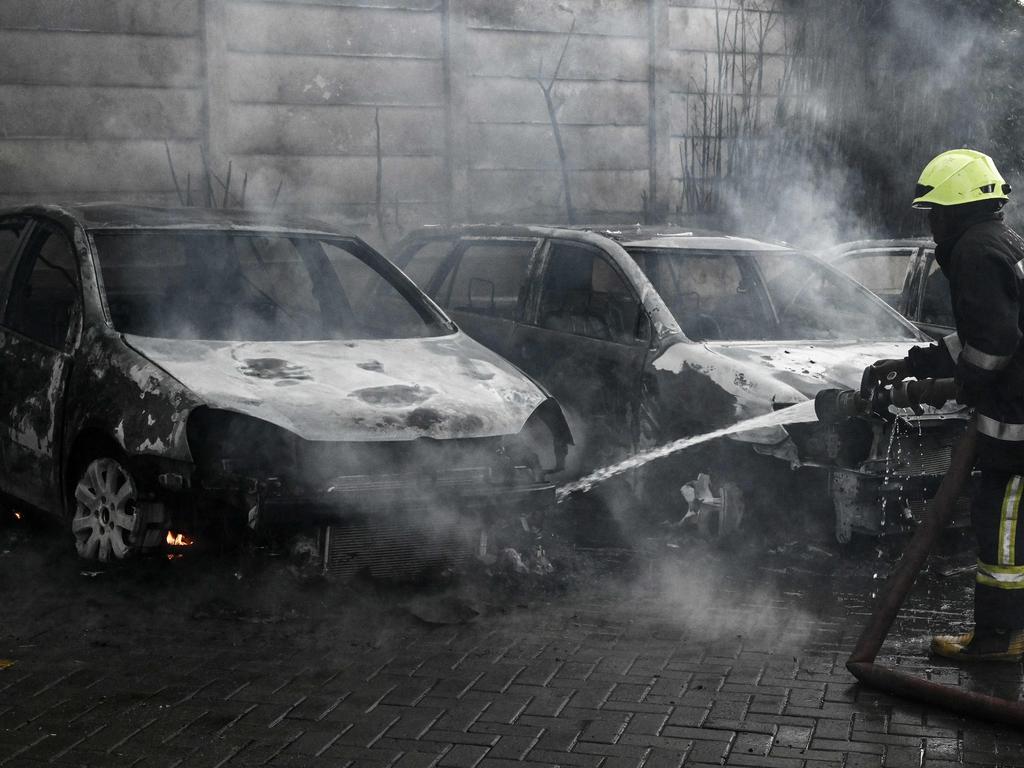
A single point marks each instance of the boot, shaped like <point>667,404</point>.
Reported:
<point>981,645</point>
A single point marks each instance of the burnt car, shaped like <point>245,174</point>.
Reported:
<point>648,335</point>
<point>905,274</point>
<point>203,370</point>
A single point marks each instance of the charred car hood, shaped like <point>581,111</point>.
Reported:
<point>810,367</point>
<point>752,378</point>
<point>397,389</point>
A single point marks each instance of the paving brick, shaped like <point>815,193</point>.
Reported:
<point>462,756</point>
<point>711,751</point>
<point>506,729</point>
<point>688,716</point>
<point>460,715</point>
<point>505,709</point>
<point>513,747</point>
<point>859,760</point>
<point>833,729</point>
<point>408,693</point>
<point>558,740</point>
<point>452,687</point>
<point>497,678</point>
<point>903,757</point>
<point>634,752</point>
<point>315,707</point>
<point>752,744</point>
<point>607,729</point>
<point>413,723</point>
<point>369,729</point>
<point>846,746</point>
<point>644,723</point>
<point>548,703</point>
<point>539,672</point>
<point>763,762</point>
<point>563,758</point>
<point>664,758</point>
<point>459,737</point>
<point>792,736</point>
<point>80,757</point>
<point>674,732</point>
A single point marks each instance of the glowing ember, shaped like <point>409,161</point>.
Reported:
<point>178,539</point>
<point>17,515</point>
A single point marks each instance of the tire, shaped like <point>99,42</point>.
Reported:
<point>725,518</point>
<point>105,521</point>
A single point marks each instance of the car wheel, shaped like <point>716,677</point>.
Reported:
<point>106,522</point>
<point>719,512</point>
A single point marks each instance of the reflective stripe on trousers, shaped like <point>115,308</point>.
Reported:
<point>999,582</point>
<point>1005,573</point>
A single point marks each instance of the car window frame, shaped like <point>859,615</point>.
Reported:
<point>389,270</point>
<point>34,226</point>
<point>906,290</point>
<point>408,253</point>
<point>452,263</point>
<point>7,275</point>
<point>542,261</point>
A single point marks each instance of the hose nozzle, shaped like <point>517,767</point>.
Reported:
<point>832,405</point>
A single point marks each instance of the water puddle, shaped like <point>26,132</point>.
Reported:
<point>800,413</point>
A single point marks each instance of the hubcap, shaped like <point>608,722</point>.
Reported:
<point>717,517</point>
<point>106,523</point>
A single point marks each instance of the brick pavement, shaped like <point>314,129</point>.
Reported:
<point>698,659</point>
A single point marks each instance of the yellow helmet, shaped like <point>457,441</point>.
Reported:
<point>959,176</point>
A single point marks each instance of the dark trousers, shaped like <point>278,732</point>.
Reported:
<point>999,587</point>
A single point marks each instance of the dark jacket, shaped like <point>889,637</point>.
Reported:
<point>984,263</point>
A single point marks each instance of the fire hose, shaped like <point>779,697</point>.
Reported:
<point>835,404</point>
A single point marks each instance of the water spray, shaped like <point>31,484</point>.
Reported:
<point>828,406</point>
<point>794,414</point>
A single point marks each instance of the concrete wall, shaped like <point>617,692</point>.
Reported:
<point>292,91</point>
<point>89,92</point>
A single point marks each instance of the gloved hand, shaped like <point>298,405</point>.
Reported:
<point>883,373</point>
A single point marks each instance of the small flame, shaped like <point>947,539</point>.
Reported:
<point>179,539</point>
<point>17,515</point>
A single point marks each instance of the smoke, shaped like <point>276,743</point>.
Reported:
<point>873,91</point>
<point>708,596</point>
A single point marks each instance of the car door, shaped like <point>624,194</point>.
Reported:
<point>584,336</point>
<point>40,319</point>
<point>481,285</point>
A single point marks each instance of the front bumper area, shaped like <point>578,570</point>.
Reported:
<point>389,528</point>
<point>458,493</point>
<point>872,505</point>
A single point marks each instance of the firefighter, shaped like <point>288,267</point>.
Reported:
<point>983,260</point>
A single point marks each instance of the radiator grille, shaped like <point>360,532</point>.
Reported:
<point>927,453</point>
<point>919,508</point>
<point>392,549</point>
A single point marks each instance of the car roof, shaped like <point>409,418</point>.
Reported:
<point>859,245</point>
<point>126,216</point>
<point>628,236</point>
